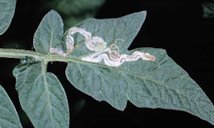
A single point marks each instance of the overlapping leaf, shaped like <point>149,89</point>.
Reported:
<point>7,9</point>
<point>41,96</point>
<point>158,84</point>
<point>8,115</point>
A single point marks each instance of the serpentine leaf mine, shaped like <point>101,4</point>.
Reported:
<point>111,55</point>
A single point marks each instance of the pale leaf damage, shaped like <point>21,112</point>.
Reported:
<point>110,56</point>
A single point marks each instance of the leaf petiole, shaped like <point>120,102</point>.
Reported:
<point>20,54</point>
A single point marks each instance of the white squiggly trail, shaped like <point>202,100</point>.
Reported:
<point>109,55</point>
<point>94,43</point>
<point>118,60</point>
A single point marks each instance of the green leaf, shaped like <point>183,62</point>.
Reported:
<point>7,9</point>
<point>41,96</point>
<point>49,33</point>
<point>119,31</point>
<point>8,115</point>
<point>149,80</point>
<point>162,84</point>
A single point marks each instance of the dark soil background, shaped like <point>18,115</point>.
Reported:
<point>177,26</point>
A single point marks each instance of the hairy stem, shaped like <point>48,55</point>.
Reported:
<point>20,54</point>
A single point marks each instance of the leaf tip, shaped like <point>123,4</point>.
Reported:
<point>142,14</point>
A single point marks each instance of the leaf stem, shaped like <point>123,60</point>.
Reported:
<point>20,54</point>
